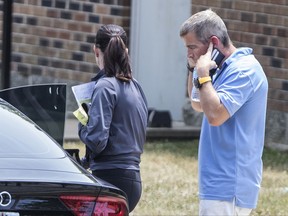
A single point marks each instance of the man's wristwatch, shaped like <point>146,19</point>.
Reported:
<point>201,80</point>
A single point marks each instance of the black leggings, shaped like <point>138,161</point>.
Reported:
<point>128,181</point>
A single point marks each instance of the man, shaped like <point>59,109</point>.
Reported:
<point>233,100</point>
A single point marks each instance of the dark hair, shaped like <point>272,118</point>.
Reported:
<point>112,41</point>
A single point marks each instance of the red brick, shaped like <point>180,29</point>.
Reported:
<point>80,16</point>
<point>86,28</point>
<point>102,9</point>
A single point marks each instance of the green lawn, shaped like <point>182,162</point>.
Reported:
<point>170,184</point>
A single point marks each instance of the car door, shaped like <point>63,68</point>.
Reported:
<point>45,104</point>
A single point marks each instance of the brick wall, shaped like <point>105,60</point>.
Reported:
<point>262,25</point>
<point>52,40</point>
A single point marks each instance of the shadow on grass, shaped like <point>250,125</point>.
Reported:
<point>273,159</point>
<point>182,148</point>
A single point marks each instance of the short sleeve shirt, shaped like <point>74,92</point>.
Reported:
<point>230,165</point>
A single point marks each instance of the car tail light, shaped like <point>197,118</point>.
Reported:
<point>93,206</point>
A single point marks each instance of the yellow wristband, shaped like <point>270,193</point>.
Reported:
<point>204,79</point>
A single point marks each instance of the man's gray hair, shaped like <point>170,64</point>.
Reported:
<point>206,24</point>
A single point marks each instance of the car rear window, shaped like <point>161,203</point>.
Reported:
<point>20,137</point>
<point>45,104</point>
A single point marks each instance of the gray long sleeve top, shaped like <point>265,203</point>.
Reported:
<point>116,129</point>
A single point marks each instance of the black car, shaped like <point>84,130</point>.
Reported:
<point>39,177</point>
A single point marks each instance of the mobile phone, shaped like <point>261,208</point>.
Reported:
<point>218,57</point>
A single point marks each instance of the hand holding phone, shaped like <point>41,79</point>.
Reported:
<point>218,57</point>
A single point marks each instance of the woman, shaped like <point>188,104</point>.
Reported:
<point>116,129</point>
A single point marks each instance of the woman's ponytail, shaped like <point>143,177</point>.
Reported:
<point>112,40</point>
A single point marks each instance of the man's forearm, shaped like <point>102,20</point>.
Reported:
<point>195,105</point>
<point>189,84</point>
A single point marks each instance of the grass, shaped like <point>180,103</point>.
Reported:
<point>170,184</point>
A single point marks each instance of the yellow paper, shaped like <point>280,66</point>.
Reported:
<point>81,115</point>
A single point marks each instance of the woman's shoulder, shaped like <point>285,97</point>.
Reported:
<point>107,83</point>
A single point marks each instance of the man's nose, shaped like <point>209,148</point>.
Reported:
<point>189,54</point>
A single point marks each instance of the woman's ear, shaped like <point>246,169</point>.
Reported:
<point>96,50</point>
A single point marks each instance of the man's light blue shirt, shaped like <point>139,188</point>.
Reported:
<point>230,163</point>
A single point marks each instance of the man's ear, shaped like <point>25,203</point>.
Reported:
<point>215,41</point>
